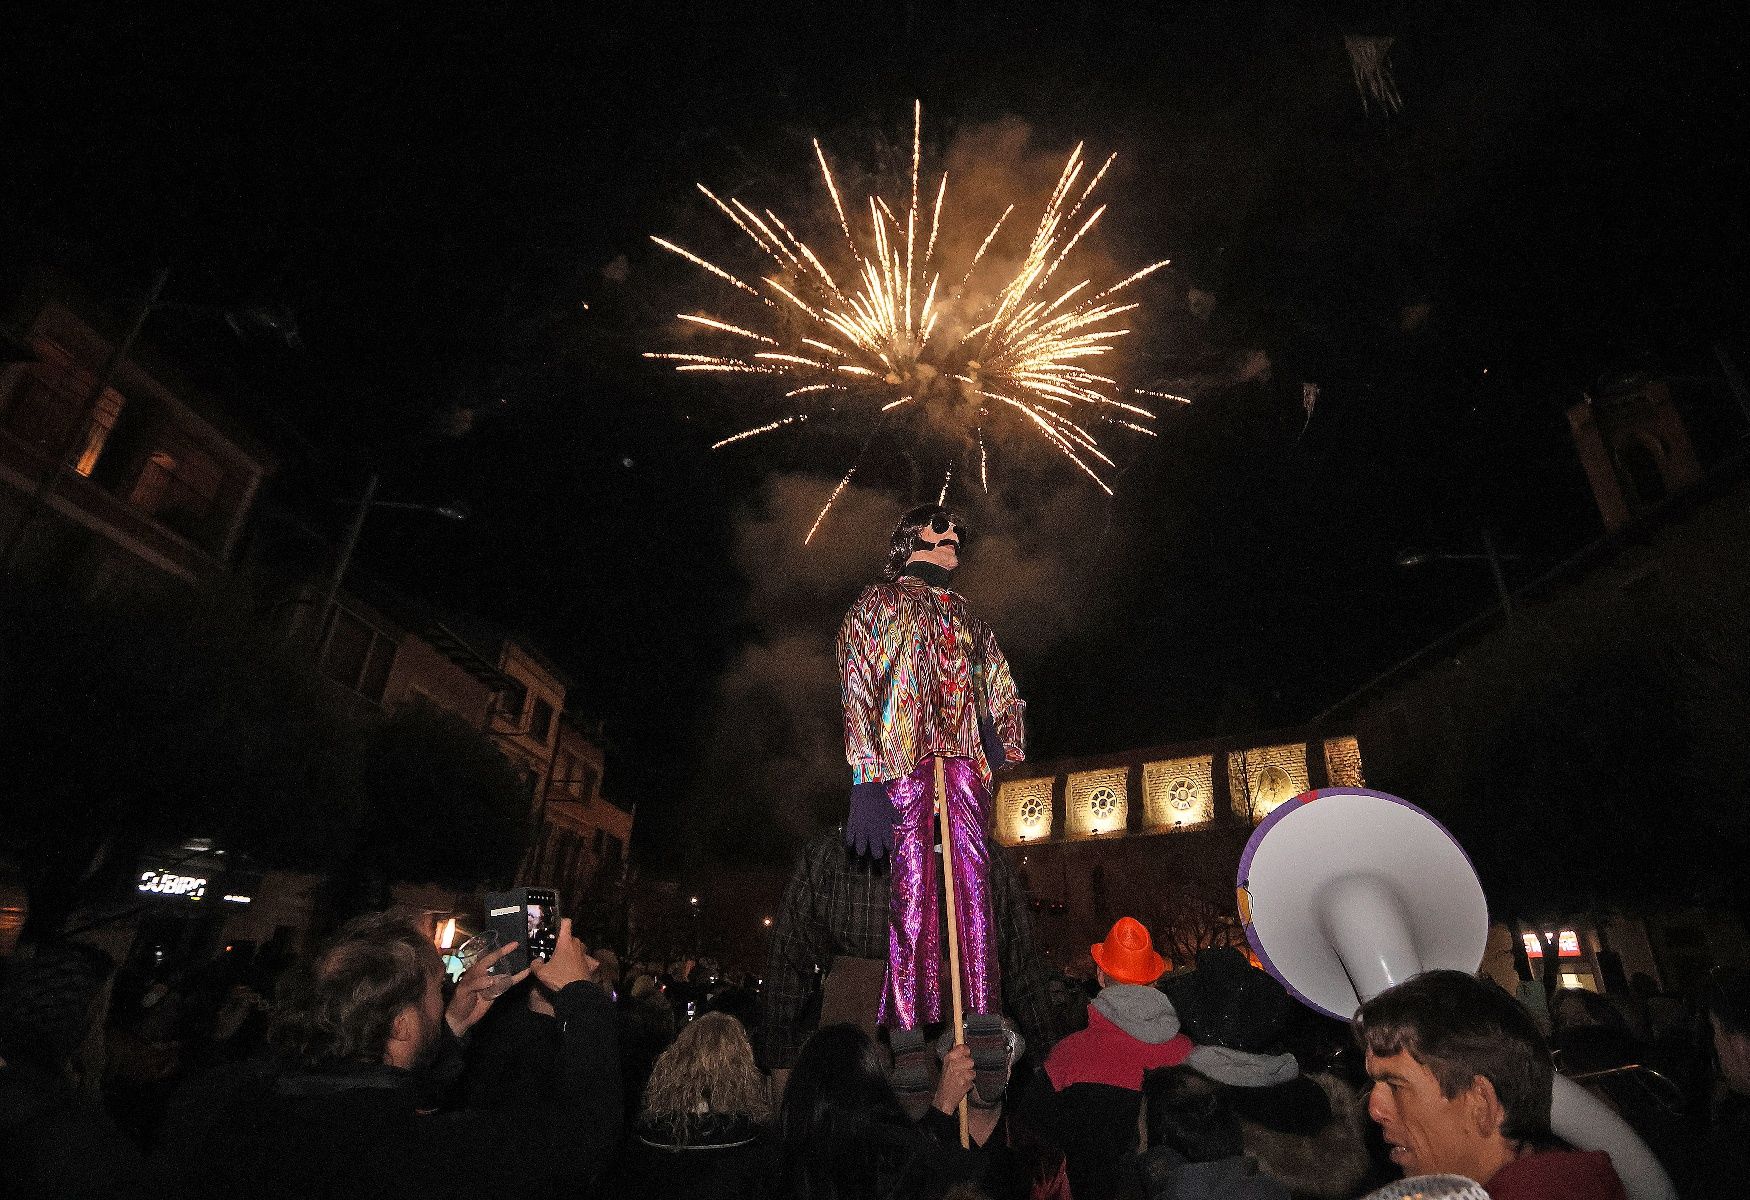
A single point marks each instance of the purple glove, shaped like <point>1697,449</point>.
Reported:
<point>995,753</point>
<point>869,827</point>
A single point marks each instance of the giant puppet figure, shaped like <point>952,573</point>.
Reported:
<point>923,679</point>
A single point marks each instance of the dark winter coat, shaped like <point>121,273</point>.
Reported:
<point>515,1058</point>
<point>262,1131</point>
<point>718,1159</point>
<point>1095,1124</point>
<point>1015,1162</point>
<point>1722,1165</point>
<point>55,1142</point>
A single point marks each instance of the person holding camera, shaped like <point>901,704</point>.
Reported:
<point>345,1110</point>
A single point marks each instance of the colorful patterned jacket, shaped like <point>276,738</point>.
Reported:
<point>914,666</point>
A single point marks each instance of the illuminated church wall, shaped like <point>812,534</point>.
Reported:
<point>1155,834</point>
<point>1142,793</point>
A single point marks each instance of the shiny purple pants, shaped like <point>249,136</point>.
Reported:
<point>912,996</point>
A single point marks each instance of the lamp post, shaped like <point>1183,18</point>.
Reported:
<point>698,938</point>
<point>454,511</point>
<point>1490,555</point>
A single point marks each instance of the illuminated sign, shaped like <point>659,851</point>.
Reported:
<point>160,882</point>
<point>195,872</point>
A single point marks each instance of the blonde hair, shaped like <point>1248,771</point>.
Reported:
<point>707,1071</point>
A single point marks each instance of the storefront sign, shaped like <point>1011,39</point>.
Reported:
<point>164,882</point>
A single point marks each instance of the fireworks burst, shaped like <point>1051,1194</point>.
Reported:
<point>883,335</point>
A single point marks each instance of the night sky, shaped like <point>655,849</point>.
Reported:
<point>438,192</point>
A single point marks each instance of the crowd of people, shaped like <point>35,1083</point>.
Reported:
<point>363,1070</point>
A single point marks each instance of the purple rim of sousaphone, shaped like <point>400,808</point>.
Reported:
<point>1287,807</point>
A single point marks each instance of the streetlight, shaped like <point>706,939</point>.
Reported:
<point>1490,555</point>
<point>453,511</point>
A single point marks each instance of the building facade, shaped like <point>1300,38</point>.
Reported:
<point>159,487</point>
<point>583,838</point>
<point>1154,834</point>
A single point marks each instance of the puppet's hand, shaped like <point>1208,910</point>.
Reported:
<point>869,828</point>
<point>994,751</point>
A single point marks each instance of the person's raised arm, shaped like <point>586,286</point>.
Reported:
<point>589,1055</point>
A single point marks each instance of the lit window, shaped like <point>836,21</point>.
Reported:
<point>179,484</point>
<point>1567,945</point>
<point>102,425</point>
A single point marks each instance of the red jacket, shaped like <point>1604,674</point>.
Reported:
<point>1557,1175</point>
<point>1104,1053</point>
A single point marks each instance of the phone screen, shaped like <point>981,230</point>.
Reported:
<point>541,919</point>
<point>528,917</point>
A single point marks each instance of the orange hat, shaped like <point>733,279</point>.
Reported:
<point>1127,955</point>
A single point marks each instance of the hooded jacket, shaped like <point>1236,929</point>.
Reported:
<point>1131,1029</point>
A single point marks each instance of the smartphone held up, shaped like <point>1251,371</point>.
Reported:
<point>528,917</point>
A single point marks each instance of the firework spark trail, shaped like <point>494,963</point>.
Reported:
<point>757,430</point>
<point>871,334</point>
<point>697,261</point>
<point>726,327</point>
<point>827,507</point>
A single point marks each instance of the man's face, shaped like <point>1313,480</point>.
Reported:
<point>942,549</point>
<point>1428,1134</point>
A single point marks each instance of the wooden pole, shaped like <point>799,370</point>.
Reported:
<point>945,828</point>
